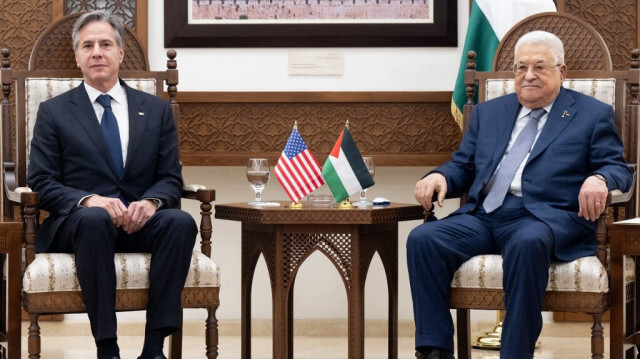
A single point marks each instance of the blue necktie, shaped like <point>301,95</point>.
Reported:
<point>111,133</point>
<point>521,146</point>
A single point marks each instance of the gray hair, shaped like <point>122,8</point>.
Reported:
<point>546,38</point>
<point>102,16</point>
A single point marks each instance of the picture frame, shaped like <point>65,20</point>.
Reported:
<point>442,31</point>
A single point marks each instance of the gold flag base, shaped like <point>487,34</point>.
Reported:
<point>295,205</point>
<point>345,204</point>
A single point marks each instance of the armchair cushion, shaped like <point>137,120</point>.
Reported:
<point>585,274</point>
<point>56,272</point>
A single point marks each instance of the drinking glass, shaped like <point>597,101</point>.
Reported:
<point>368,161</point>
<point>258,176</point>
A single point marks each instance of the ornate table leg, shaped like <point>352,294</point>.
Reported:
<point>617,296</point>
<point>361,254</point>
<point>386,243</point>
<point>388,250</point>
<point>256,239</point>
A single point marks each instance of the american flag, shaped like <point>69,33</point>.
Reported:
<point>297,170</point>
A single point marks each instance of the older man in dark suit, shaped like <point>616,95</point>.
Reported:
<point>104,158</point>
<point>537,166</point>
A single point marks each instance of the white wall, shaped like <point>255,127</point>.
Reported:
<point>265,69</point>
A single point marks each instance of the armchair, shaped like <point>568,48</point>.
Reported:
<point>50,284</point>
<point>581,285</point>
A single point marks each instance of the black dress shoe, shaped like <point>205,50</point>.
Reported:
<point>159,356</point>
<point>434,353</point>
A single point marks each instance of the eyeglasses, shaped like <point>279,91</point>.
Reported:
<point>538,69</point>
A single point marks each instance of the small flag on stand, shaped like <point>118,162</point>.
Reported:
<point>297,170</point>
<point>344,170</point>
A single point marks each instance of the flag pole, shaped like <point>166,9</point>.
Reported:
<point>345,203</point>
<point>297,204</point>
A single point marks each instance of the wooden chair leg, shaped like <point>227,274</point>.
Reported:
<point>34,337</point>
<point>463,320</point>
<point>211,335</point>
<point>175,345</point>
<point>597,337</point>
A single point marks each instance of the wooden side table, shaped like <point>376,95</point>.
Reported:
<point>11,245</point>
<point>625,324</point>
<point>347,237</point>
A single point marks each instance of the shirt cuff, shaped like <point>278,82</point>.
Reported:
<point>157,201</point>
<point>82,199</point>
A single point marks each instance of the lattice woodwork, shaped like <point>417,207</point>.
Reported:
<point>125,9</point>
<point>22,22</point>
<point>298,246</point>
<point>583,48</point>
<point>615,20</point>
<point>210,130</point>
<point>632,244</point>
<point>387,249</point>
<point>259,242</point>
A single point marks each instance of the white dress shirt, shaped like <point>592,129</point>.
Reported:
<point>119,106</point>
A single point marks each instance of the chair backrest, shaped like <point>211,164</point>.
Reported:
<point>52,71</point>
<point>589,72</point>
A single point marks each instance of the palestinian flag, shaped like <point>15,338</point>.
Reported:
<point>344,171</point>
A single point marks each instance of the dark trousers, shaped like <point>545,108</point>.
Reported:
<point>435,250</point>
<point>90,234</point>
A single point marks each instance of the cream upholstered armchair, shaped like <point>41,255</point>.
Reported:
<point>50,284</point>
<point>581,285</point>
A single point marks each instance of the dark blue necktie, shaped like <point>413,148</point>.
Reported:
<point>111,133</point>
<point>518,151</point>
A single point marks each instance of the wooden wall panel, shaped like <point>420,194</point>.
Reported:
<point>22,21</point>
<point>408,128</point>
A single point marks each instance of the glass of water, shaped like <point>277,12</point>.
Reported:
<point>258,176</point>
<point>368,161</point>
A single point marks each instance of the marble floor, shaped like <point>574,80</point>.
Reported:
<point>66,341</point>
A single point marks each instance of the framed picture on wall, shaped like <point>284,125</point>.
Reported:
<point>310,23</point>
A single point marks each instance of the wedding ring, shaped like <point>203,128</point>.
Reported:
<point>598,203</point>
<point>139,221</point>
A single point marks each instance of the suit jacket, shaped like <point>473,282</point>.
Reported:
<point>579,139</point>
<point>70,159</point>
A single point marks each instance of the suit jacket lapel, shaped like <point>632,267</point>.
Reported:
<point>562,113</point>
<point>137,122</point>
<point>82,110</point>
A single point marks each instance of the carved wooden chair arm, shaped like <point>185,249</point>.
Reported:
<point>205,196</point>
<point>11,189</point>
<point>616,196</point>
<point>30,213</point>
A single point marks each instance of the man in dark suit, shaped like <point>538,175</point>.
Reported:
<point>104,158</point>
<point>537,166</point>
